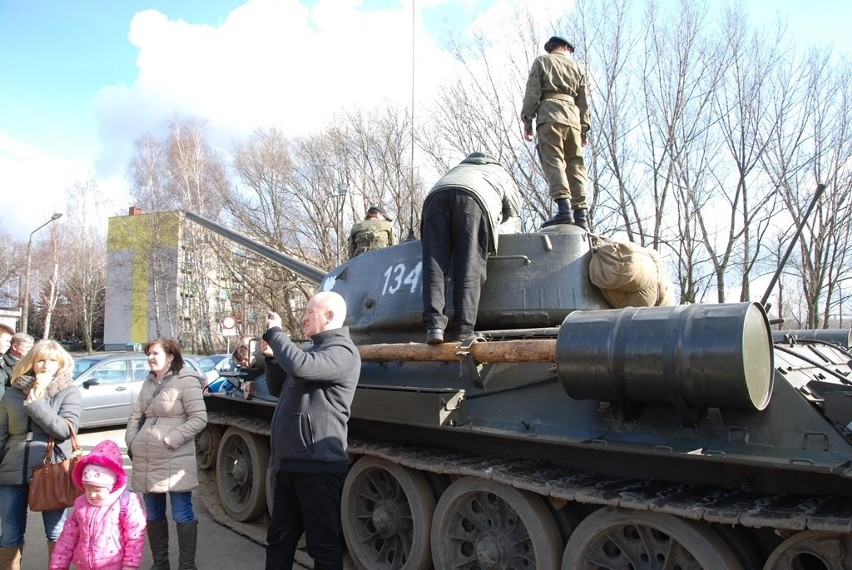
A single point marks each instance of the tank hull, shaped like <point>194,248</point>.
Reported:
<point>683,431</point>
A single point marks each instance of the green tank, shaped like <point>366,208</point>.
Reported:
<point>572,436</point>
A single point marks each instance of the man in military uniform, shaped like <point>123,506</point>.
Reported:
<point>375,232</point>
<point>556,98</point>
<point>461,220</point>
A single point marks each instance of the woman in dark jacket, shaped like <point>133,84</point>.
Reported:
<point>33,409</point>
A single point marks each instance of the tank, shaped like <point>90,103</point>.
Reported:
<point>572,436</point>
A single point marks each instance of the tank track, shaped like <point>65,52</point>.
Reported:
<point>254,530</point>
<point>698,503</point>
<point>208,491</point>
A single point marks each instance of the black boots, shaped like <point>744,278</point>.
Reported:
<point>158,540</point>
<point>434,336</point>
<point>563,213</point>
<point>187,534</point>
<point>581,219</point>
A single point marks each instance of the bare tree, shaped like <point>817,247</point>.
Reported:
<point>181,171</point>
<point>376,150</point>
<point>12,267</point>
<point>480,110</point>
<point>812,145</point>
<point>51,295</point>
<point>607,39</point>
<point>263,207</point>
<point>84,282</point>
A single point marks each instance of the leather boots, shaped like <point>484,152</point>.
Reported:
<point>10,557</point>
<point>158,540</point>
<point>563,213</point>
<point>187,534</point>
<point>581,219</point>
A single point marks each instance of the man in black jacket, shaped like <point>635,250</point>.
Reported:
<point>19,345</point>
<point>6,333</point>
<point>315,387</point>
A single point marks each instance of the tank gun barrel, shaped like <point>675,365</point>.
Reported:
<point>309,272</point>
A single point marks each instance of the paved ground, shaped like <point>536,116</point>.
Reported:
<point>217,546</point>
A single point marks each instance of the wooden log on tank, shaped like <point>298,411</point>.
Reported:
<point>538,350</point>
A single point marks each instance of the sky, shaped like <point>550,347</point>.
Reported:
<point>81,81</point>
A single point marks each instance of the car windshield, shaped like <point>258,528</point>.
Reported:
<point>83,364</point>
<point>209,362</point>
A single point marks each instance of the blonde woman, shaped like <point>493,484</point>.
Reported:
<point>33,409</point>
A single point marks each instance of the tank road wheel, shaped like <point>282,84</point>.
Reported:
<point>387,515</point>
<point>620,540</point>
<point>207,445</point>
<point>811,549</point>
<point>480,524</point>
<point>241,467</point>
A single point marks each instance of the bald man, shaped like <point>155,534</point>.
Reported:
<point>309,458</point>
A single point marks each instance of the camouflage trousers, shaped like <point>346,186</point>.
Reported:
<point>560,151</point>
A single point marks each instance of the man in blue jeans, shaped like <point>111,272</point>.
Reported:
<point>308,441</point>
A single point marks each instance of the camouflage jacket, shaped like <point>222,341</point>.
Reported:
<point>370,234</point>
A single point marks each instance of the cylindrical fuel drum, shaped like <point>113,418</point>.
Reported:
<point>703,355</point>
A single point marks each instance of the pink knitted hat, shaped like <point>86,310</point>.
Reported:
<point>106,454</point>
<point>99,476</point>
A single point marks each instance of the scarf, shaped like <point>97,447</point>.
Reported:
<point>25,384</point>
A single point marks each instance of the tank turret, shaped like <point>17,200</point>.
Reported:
<point>573,435</point>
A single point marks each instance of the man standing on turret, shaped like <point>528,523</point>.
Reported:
<point>374,232</point>
<point>556,98</point>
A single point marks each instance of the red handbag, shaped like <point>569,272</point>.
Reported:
<point>52,487</point>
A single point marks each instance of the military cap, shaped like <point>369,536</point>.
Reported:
<point>377,210</point>
<point>555,41</point>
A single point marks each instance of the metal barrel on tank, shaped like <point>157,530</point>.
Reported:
<point>688,355</point>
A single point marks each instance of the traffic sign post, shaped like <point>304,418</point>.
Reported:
<point>229,326</point>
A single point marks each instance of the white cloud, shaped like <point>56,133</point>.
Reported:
<point>34,185</point>
<point>269,63</point>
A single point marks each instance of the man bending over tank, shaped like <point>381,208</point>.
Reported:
<point>463,215</point>
<point>315,387</point>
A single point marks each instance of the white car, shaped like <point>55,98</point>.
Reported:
<point>110,384</point>
<point>211,365</point>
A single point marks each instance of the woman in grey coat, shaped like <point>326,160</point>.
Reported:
<point>37,406</point>
<point>160,435</point>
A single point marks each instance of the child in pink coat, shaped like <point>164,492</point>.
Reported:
<point>106,530</point>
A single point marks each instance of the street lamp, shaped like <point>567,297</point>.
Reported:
<point>26,300</point>
<point>342,189</point>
